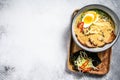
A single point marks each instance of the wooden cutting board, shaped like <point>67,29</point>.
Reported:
<point>104,56</point>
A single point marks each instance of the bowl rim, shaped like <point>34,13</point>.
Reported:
<point>109,12</point>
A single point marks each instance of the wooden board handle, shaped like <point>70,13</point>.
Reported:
<point>75,13</point>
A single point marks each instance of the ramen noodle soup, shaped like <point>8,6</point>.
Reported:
<point>94,28</point>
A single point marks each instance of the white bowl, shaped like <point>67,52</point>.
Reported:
<point>109,12</point>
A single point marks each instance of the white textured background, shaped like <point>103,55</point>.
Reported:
<point>34,35</point>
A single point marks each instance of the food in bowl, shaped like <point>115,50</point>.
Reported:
<point>94,28</point>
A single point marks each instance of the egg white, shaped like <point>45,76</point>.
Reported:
<point>92,15</point>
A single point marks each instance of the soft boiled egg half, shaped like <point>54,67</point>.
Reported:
<point>89,18</point>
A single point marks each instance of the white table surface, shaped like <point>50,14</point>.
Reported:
<point>34,38</point>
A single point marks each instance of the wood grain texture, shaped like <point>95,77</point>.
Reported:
<point>103,67</point>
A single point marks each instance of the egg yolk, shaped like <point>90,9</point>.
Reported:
<point>88,19</point>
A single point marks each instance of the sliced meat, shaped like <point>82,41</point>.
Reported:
<point>96,39</point>
<point>109,37</point>
<point>82,38</point>
<point>89,44</point>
